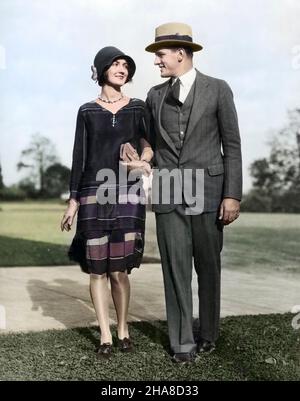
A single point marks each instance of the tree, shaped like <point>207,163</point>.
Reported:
<point>276,178</point>
<point>38,157</point>
<point>57,179</point>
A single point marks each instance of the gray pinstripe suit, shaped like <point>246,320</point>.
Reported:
<point>212,143</point>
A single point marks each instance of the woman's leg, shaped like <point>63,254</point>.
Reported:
<point>120,290</point>
<point>100,297</point>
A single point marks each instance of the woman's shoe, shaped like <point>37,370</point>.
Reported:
<point>125,345</point>
<point>104,351</point>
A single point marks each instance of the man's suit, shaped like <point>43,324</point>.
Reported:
<point>211,144</point>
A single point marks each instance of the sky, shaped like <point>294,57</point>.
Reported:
<point>48,46</point>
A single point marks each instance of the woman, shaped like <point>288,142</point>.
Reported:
<point>109,239</point>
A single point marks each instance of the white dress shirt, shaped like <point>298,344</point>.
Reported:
<point>186,82</point>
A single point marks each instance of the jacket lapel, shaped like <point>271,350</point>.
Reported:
<point>160,101</point>
<point>200,101</point>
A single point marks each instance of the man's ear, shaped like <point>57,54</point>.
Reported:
<point>180,55</point>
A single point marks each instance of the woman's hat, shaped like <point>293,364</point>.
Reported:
<point>104,59</point>
<point>173,34</point>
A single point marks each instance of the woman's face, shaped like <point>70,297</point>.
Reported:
<point>117,73</point>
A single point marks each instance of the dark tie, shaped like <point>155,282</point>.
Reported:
<point>174,92</point>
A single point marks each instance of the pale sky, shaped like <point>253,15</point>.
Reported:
<point>47,48</point>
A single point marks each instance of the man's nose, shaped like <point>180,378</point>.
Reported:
<point>156,60</point>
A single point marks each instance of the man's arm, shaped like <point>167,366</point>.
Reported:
<point>231,143</point>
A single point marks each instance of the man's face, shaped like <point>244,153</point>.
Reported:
<point>167,61</point>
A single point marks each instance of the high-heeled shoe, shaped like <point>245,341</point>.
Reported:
<point>105,351</point>
<point>125,345</point>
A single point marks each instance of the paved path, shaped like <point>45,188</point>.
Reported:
<point>39,298</point>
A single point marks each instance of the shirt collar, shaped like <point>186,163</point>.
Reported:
<point>187,79</point>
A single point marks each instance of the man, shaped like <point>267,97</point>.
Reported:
<point>195,128</point>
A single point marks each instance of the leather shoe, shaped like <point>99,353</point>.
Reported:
<point>206,346</point>
<point>184,357</point>
<point>104,351</point>
<point>125,345</point>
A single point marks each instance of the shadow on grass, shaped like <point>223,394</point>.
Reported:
<point>23,252</point>
<point>155,332</point>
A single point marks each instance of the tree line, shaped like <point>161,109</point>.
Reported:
<point>46,176</point>
<point>276,178</point>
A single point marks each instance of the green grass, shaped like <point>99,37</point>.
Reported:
<point>263,347</point>
<point>262,248</point>
<point>256,241</point>
<point>23,252</point>
<point>35,221</point>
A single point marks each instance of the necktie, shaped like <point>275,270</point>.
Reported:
<point>176,89</point>
<point>174,92</point>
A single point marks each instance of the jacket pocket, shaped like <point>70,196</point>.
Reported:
<point>216,169</point>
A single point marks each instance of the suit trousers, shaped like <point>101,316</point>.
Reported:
<point>182,238</point>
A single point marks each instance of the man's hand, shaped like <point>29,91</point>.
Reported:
<point>229,210</point>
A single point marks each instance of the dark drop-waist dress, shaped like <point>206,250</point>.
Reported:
<point>109,236</point>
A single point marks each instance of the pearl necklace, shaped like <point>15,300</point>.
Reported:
<point>110,101</point>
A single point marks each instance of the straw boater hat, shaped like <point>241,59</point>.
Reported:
<point>173,34</point>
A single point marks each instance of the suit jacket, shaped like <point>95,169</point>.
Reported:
<point>212,143</point>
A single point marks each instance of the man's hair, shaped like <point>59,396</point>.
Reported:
<point>189,52</point>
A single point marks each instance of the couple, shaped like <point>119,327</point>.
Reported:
<point>188,122</point>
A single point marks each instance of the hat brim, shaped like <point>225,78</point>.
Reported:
<point>169,43</point>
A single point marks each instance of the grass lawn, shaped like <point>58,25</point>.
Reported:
<point>263,347</point>
<point>30,235</point>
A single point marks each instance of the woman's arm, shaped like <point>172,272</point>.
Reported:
<point>78,162</point>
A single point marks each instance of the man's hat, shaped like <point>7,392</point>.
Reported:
<point>173,34</point>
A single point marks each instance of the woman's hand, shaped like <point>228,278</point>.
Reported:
<point>128,153</point>
<point>68,217</point>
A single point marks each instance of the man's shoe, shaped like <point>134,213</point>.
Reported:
<point>206,346</point>
<point>104,351</point>
<point>125,345</point>
<point>184,357</point>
